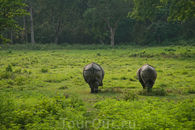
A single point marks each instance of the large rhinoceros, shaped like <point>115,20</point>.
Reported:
<point>93,75</point>
<point>147,76</point>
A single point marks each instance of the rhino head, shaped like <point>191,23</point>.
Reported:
<point>93,75</point>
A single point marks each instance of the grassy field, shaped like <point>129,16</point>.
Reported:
<point>31,77</point>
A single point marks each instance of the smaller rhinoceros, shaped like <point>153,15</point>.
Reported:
<point>147,76</point>
<point>93,75</point>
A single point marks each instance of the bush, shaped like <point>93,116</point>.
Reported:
<point>5,75</point>
<point>20,80</point>
<point>146,114</point>
<point>44,70</point>
<point>18,70</point>
<point>8,68</point>
<point>45,113</point>
<point>130,95</point>
<point>154,92</point>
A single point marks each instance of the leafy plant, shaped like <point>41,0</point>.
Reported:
<point>44,70</point>
<point>130,95</point>
<point>9,68</point>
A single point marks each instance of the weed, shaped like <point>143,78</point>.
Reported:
<point>130,96</point>
<point>184,72</point>
<point>98,54</point>
<point>169,49</point>
<point>123,78</point>
<point>9,51</point>
<point>133,55</point>
<point>159,92</point>
<point>14,63</point>
<point>191,90</point>
<point>20,80</point>
<point>44,70</point>
<point>163,53</point>
<point>162,85</point>
<point>111,90</point>
<point>132,79</point>
<point>144,92</point>
<point>18,70</point>
<point>63,87</point>
<point>8,68</point>
<point>11,82</point>
<point>153,92</point>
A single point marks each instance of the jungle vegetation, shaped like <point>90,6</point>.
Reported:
<point>110,22</point>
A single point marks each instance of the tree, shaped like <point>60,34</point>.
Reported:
<point>108,11</point>
<point>31,4</point>
<point>31,23</point>
<point>155,14</point>
<point>57,14</point>
<point>8,10</point>
<point>180,9</point>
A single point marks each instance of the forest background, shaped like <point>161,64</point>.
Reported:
<point>111,22</point>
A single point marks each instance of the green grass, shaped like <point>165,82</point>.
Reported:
<point>29,75</point>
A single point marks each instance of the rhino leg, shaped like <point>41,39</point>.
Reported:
<point>96,84</point>
<point>92,90</point>
<point>142,82</point>
<point>92,87</point>
<point>149,85</point>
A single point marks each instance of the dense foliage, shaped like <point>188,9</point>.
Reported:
<point>9,9</point>
<point>38,113</point>
<point>87,22</point>
<point>146,115</point>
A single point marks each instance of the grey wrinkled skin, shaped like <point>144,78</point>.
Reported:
<point>93,75</point>
<point>147,76</point>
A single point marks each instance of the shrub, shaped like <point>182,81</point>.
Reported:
<point>18,70</point>
<point>159,92</point>
<point>63,87</point>
<point>44,113</point>
<point>153,92</point>
<point>20,80</point>
<point>9,51</point>
<point>11,82</point>
<point>191,90</point>
<point>130,95</point>
<point>44,70</point>
<point>146,114</point>
<point>5,75</point>
<point>8,68</point>
<point>170,49</point>
<point>111,90</point>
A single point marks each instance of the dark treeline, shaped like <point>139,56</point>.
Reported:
<point>109,22</point>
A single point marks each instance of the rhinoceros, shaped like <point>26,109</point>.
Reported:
<point>93,75</point>
<point>147,76</point>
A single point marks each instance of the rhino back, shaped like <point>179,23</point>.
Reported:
<point>148,72</point>
<point>93,71</point>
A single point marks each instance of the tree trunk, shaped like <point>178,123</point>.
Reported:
<point>112,33</point>
<point>12,37</point>
<point>25,30</point>
<point>101,41</point>
<point>112,30</point>
<point>31,25</point>
<point>57,30</point>
<point>56,38</point>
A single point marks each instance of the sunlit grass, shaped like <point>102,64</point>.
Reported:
<point>32,74</point>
